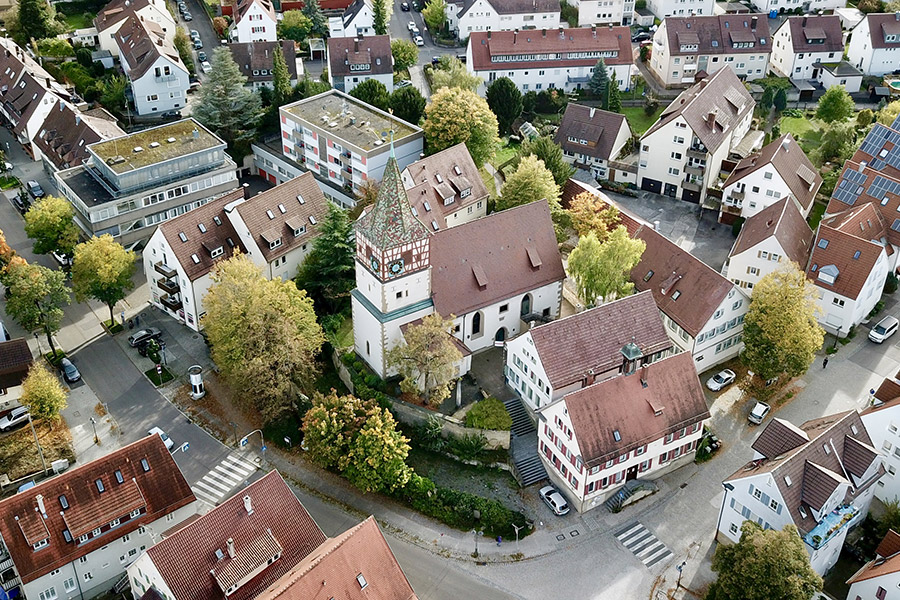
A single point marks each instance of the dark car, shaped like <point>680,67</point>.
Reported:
<point>150,333</point>
<point>641,36</point>
<point>34,189</point>
<point>201,56</point>
<point>172,114</point>
<point>417,6</point>
<point>188,16</point>
<point>404,6</point>
<point>21,202</point>
<point>70,371</point>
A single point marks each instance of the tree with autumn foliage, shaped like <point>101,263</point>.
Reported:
<point>459,115</point>
<point>102,270</point>
<point>589,213</point>
<point>43,394</point>
<point>49,223</point>
<point>601,269</point>
<point>427,359</point>
<point>35,297</point>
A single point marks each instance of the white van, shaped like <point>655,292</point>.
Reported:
<point>884,329</point>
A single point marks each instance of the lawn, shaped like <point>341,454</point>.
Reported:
<point>505,151</point>
<point>807,132</point>
<point>343,337</point>
<point>638,119</point>
<point>815,215</point>
<point>19,456</point>
<point>80,20</point>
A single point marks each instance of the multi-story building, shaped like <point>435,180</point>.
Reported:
<point>344,141</point>
<point>780,169</point>
<point>880,577</point>
<point>541,59</point>
<point>819,476</point>
<point>558,358</point>
<point>254,21</point>
<point>681,154</point>
<point>638,425</point>
<point>133,182</point>
<point>770,238</point>
<point>802,42</point>
<point>15,362</point>
<point>352,60</point>
<point>73,535</point>
<point>686,46</point>
<point>159,80</point>
<point>254,59</point>
<point>882,418</point>
<point>358,19</point>
<point>503,15</point>
<point>590,138</point>
<point>604,12</point>
<point>66,133</point>
<point>874,44</point>
<point>662,9</point>
<point>26,106</point>
<point>117,13</point>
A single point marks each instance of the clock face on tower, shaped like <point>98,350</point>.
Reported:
<point>375,264</point>
<point>396,267</point>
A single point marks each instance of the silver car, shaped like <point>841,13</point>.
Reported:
<point>720,380</point>
<point>17,416</point>
<point>554,500</point>
<point>758,413</point>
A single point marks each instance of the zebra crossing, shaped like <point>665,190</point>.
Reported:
<point>638,540</point>
<point>216,485</point>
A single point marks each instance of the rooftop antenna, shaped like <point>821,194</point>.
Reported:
<point>391,111</point>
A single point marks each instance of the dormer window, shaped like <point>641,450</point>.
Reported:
<point>82,538</point>
<point>97,532</point>
<point>100,487</point>
<point>41,544</point>
<point>465,193</point>
<point>274,243</point>
<point>216,252</point>
<point>299,231</point>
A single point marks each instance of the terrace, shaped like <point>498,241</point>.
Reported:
<point>830,525</point>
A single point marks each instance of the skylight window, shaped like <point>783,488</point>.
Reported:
<point>282,208</point>
<point>201,227</point>
<point>195,258</point>
<point>617,436</point>
<point>182,237</point>
<point>676,294</point>
<point>856,255</point>
<point>648,275</point>
<point>300,199</point>
<point>270,214</point>
<point>217,220</point>
<point>822,244</point>
<point>312,219</point>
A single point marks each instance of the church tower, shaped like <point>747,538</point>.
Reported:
<point>393,273</point>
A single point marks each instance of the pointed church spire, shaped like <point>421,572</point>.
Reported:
<point>391,221</point>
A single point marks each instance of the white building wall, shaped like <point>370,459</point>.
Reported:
<point>740,504</point>
<point>283,170</point>
<point>151,12</point>
<point>867,59</point>
<point>747,268</point>
<point>536,78</point>
<point>670,8</point>
<point>786,63</point>
<point>762,188</point>
<point>721,338</point>
<point>35,123</point>
<point>481,16</point>
<point>525,373</point>
<point>867,588</point>
<point>351,81</point>
<point>600,167</point>
<point>840,311</point>
<point>154,94</point>
<point>679,70</point>
<point>601,12</point>
<point>851,83</point>
<point>143,574</point>
<point>255,26</point>
<point>884,429</point>
<point>362,24</point>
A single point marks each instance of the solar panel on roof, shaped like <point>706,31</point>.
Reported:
<point>881,184</point>
<point>896,123</point>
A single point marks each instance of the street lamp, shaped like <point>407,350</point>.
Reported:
<point>680,569</point>
<point>517,528</point>
<point>94,425</point>
<point>244,439</point>
<point>476,533</point>
<point>836,336</point>
<point>37,443</point>
<point>182,448</point>
<point>728,488</point>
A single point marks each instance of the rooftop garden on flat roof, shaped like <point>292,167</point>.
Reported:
<point>154,145</point>
<point>345,117</point>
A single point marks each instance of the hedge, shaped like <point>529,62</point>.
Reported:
<point>366,385</point>
<point>489,413</point>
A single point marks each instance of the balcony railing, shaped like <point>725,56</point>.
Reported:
<point>830,525</point>
<point>690,185</point>
<point>697,151</point>
<point>168,286</point>
<point>737,194</point>
<point>170,302</point>
<point>166,77</point>
<point>698,171</point>
<point>165,270</point>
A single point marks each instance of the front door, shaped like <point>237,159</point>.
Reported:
<point>631,473</point>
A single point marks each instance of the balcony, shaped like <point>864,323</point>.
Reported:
<point>696,171</point>
<point>690,185</point>
<point>172,302</point>
<point>165,270</point>
<point>166,77</point>
<point>737,194</point>
<point>731,209</point>
<point>830,525</point>
<point>168,286</point>
<point>697,152</point>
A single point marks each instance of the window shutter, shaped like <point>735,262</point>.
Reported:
<point>765,499</point>
<point>778,510</point>
<point>751,489</point>
<point>732,503</point>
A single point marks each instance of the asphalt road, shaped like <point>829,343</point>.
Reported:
<point>399,30</point>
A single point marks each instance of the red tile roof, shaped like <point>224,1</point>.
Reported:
<point>785,223</point>
<point>116,11</point>
<point>15,360</point>
<point>890,545</point>
<point>141,43</point>
<point>599,128</point>
<point>816,27</point>
<point>856,180</point>
<point>886,562</point>
<point>156,492</point>
<point>374,50</point>
<point>882,25</point>
<point>67,132</point>
<point>717,34</point>
<point>187,559</point>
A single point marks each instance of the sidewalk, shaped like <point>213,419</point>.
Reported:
<point>82,406</point>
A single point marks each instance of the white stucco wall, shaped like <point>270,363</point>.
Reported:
<point>747,268</point>
<point>669,8</point>
<point>762,188</point>
<point>869,60</point>
<point>255,19</point>
<point>840,311</point>
<point>720,339</point>
<point>170,94</point>
<point>481,16</point>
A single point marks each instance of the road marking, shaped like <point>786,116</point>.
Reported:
<point>227,475</point>
<point>210,489</point>
<point>641,542</point>
<point>204,496</point>
<point>223,478</point>
<point>239,463</point>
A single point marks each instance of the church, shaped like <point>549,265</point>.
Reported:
<point>492,276</point>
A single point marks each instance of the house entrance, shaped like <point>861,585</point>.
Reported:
<point>631,473</point>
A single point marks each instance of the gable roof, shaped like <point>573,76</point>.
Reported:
<point>516,7</point>
<point>722,95</point>
<point>886,561</point>
<point>785,223</point>
<point>14,62</point>
<point>278,523</point>
<point>882,25</point>
<point>593,339</point>
<point>890,545</point>
<point>23,100</point>
<point>816,33</point>
<point>684,288</point>
<point>243,6</point>
<point>788,159</point>
<point>390,222</point>
<point>518,47</point>
<point>117,11</point>
<point>67,132</point>
<point>375,51</point>
<point>886,396</point>
<point>599,128</point>
<point>334,568</point>
<point>15,360</point>
<point>512,251</point>
<point>624,407</point>
<point>141,43</point>
<point>778,437</point>
<point>354,9</point>
<point>718,34</point>
<point>253,57</point>
<point>156,492</point>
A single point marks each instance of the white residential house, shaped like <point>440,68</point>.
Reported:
<point>804,6</point>
<point>686,46</point>
<point>874,45</point>
<point>26,106</point>
<point>663,9</point>
<point>881,416</point>
<point>769,239</point>
<point>255,60</point>
<point>880,577</point>
<point>801,42</point>
<point>819,476</point>
<point>117,13</point>
<point>504,15</point>
<point>353,60</point>
<point>638,425</point>
<point>358,19</point>
<point>254,21</point>
<point>778,170</point>
<point>604,12</point>
<point>681,154</point>
<point>16,358</point>
<point>159,80</point>
<point>551,360</point>
<point>73,535</point>
<point>590,138</point>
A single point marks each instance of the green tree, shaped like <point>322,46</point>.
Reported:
<point>35,299</point>
<point>405,54</point>
<point>780,100</point>
<point>263,333</point>
<point>551,153</point>
<point>112,92</point>
<point>599,82</point>
<point>380,16</point>
<point>768,99</point>
<point>281,79</point>
<point>531,181</point>
<point>426,359</point>
<point>184,47</point>
<point>328,273</point>
<point>764,565</point>
<point>313,12</point>
<point>889,114</point>
<point>781,333</point>
<point>43,394</point>
<point>864,118</point>
<point>456,115</point>
<point>331,426</point>
<point>35,20</point>
<point>505,100</point>
<point>838,143</point>
<point>294,25</point>
<point>870,6</point>
<point>601,269</point>
<point>590,214</point>
<point>435,15</point>
<point>835,105</point>
<point>489,413</point>
<point>614,98</point>
<point>644,53</point>
<point>225,105</point>
<point>102,270</point>
<point>372,91</point>
<point>452,73</point>
<point>49,223</point>
<point>408,104</point>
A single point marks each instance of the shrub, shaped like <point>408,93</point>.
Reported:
<point>890,284</point>
<point>490,413</point>
<point>428,435</point>
<point>792,112</point>
<point>468,447</point>
<point>736,226</point>
<point>879,306</point>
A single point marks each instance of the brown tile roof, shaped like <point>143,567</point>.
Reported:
<point>514,249</point>
<point>308,213</point>
<point>722,95</point>
<point>160,491</point>
<point>890,545</point>
<point>887,394</point>
<point>334,568</point>
<point>374,51</point>
<point>818,485</point>
<point>778,437</point>
<point>782,220</point>
<point>624,405</point>
<point>877,568</point>
<point>593,340</point>
<point>117,11</point>
<point>806,31</point>
<point>516,7</point>
<point>244,5</point>
<point>258,56</point>
<point>422,186</point>
<point>15,360</point>
<point>717,34</point>
<point>685,289</point>
<point>186,558</point>
<point>858,456</point>
<point>561,42</point>
<point>141,44</point>
<point>789,160</point>
<point>201,243</point>
<point>599,128</point>
<point>882,24</point>
<point>66,133</point>
<point>23,99</point>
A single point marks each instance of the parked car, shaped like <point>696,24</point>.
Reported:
<point>34,189</point>
<point>720,380</point>
<point>205,66</point>
<point>172,114</point>
<point>554,500</point>
<point>188,16</point>
<point>201,56</point>
<point>150,333</point>
<point>17,416</point>
<point>165,438</point>
<point>461,58</point>
<point>7,167</point>
<point>404,6</point>
<point>402,84</point>
<point>641,36</point>
<point>182,6</point>
<point>414,32</point>
<point>411,25</point>
<point>419,41</point>
<point>69,371</point>
<point>21,202</point>
<point>884,329</point>
<point>195,85</point>
<point>198,43</point>
<point>759,413</point>
<point>195,35</point>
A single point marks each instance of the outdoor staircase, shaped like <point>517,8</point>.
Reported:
<point>617,501</point>
<point>523,444</point>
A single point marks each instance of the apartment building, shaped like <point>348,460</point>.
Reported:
<point>662,9</point>
<point>881,418</point>
<point>604,12</point>
<point>801,44</point>
<point>66,133</point>
<point>503,15</point>
<point>874,45</point>
<point>254,21</point>
<point>353,60</point>
<point>117,13</point>
<point>255,60</point>
<point>159,80</point>
<point>880,577</point>
<point>590,138</point>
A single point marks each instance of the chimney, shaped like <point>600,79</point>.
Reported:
<point>769,223</point>
<point>785,144</point>
<point>589,378</point>
<point>803,24</point>
<point>610,26</point>
<point>543,33</point>
<point>489,34</point>
<point>48,83</point>
<point>897,16</point>
<point>230,544</point>
<point>248,504</point>
<point>753,23</point>
<point>644,370</point>
<point>711,119</point>
<point>593,31</point>
<point>593,109</point>
<point>40,502</point>
<point>356,46</point>
<point>515,35</point>
<point>77,119</point>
